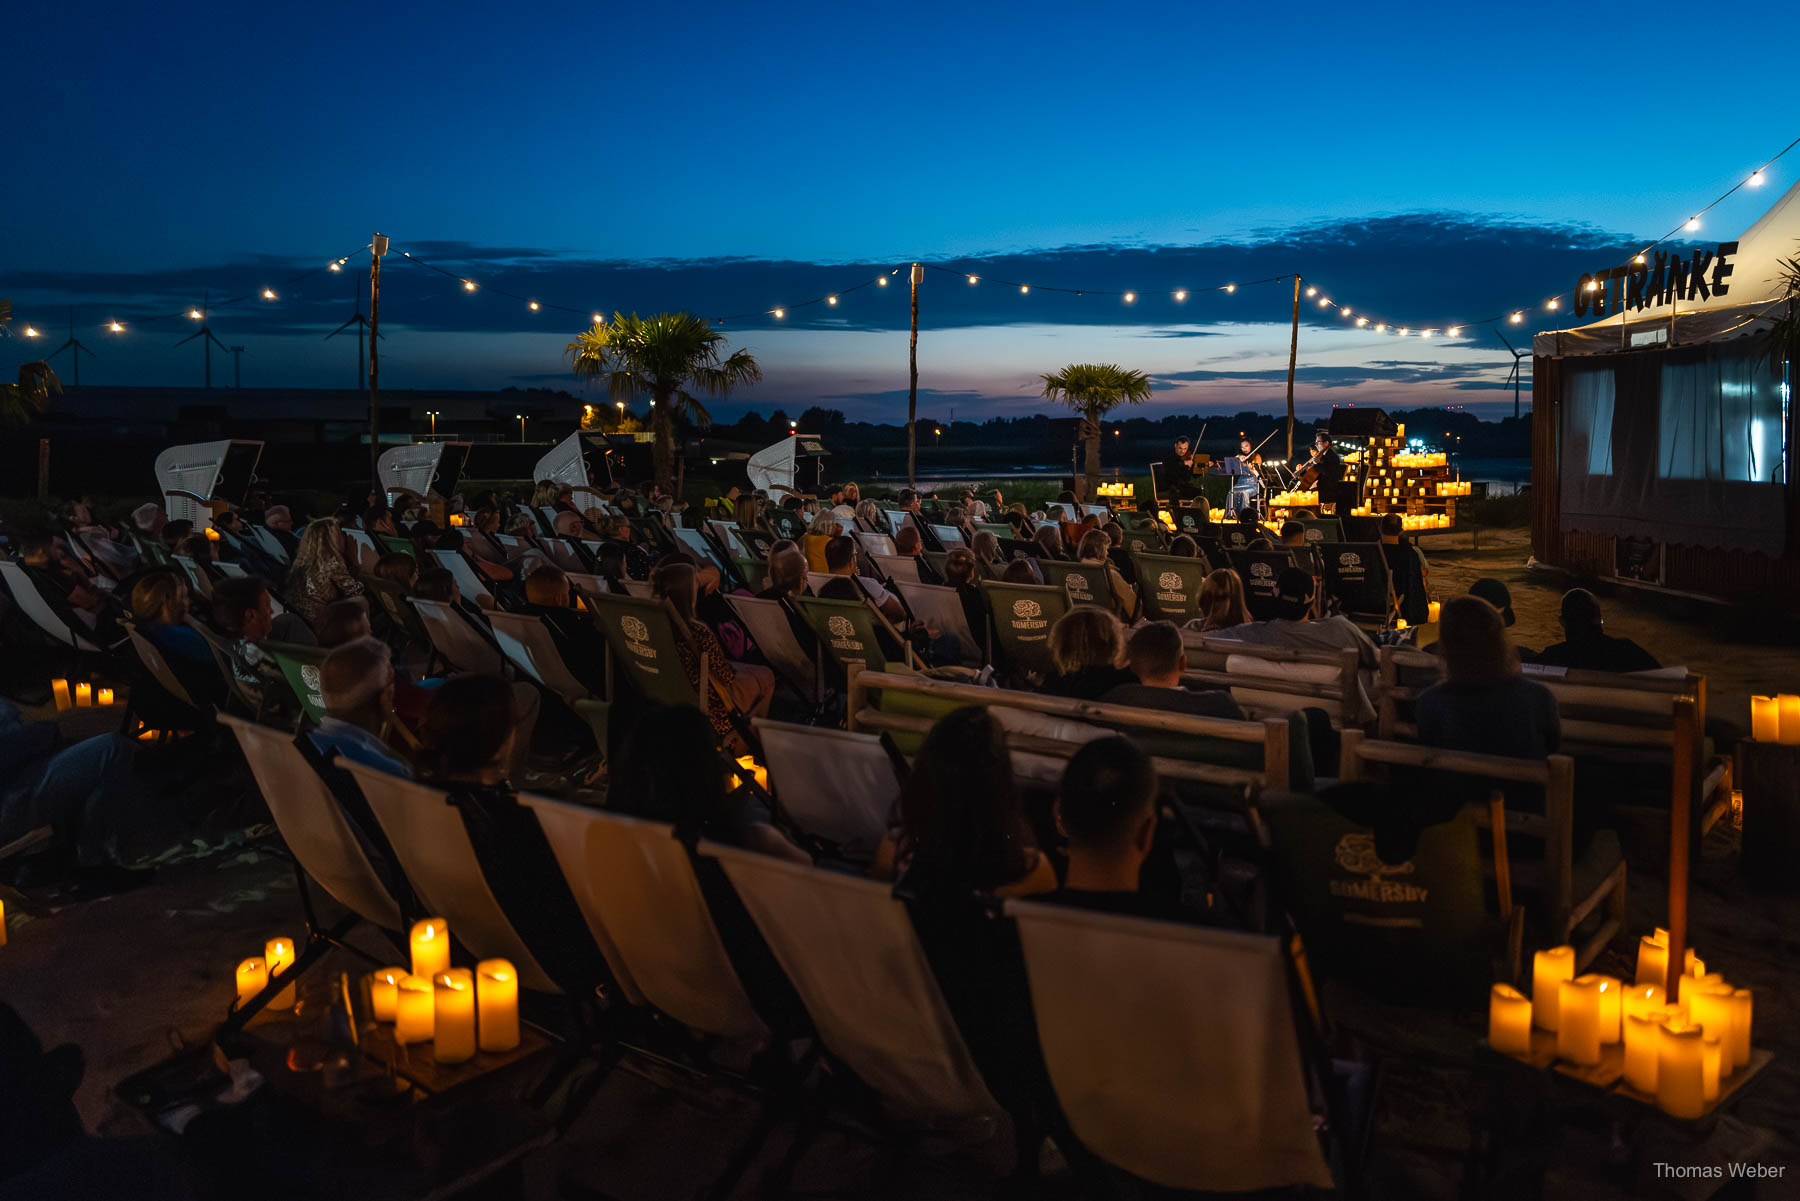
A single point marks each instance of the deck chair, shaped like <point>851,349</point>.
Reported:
<point>367,554</point>
<point>1021,616</point>
<point>249,701</point>
<point>638,588</point>
<point>1187,1069</point>
<point>455,641</point>
<point>848,631</point>
<point>196,576</point>
<point>940,605</point>
<point>767,622</point>
<point>230,571</point>
<point>949,536</point>
<point>1260,570</point>
<point>1145,542</point>
<point>849,947</point>
<point>1086,583</point>
<point>300,668</point>
<point>756,543</point>
<point>33,605</point>
<point>271,545</point>
<point>785,522</point>
<point>894,568</point>
<point>562,553</point>
<point>468,580</point>
<point>392,599</point>
<point>643,637</point>
<point>1322,529</point>
<point>428,835</point>
<point>158,667</point>
<point>636,886</point>
<point>835,785</point>
<point>1356,576</point>
<point>587,582</point>
<point>1170,586</point>
<point>525,640</point>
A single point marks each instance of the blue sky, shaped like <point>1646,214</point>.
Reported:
<point>1430,163</point>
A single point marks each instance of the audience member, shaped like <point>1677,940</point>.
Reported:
<point>319,574</point>
<point>1294,627</point>
<point>1106,813</point>
<point>159,601</point>
<point>1222,604</point>
<point>1050,543</point>
<point>1087,654</point>
<point>1184,547</point>
<point>343,621</point>
<point>357,682</point>
<point>1020,571</point>
<point>960,573</point>
<point>1406,567</point>
<point>1586,646</point>
<point>1483,703</point>
<point>750,687</point>
<point>1157,659</point>
<point>840,560</point>
<point>577,639</point>
<point>823,529</point>
<point>1095,551</point>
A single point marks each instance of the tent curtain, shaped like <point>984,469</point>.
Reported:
<point>1720,418</point>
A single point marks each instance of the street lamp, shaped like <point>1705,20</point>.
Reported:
<point>521,418</point>
<point>432,413</point>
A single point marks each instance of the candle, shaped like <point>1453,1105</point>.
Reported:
<point>1692,984</point>
<point>84,698</point>
<point>1548,970</point>
<point>1642,1000</point>
<point>1680,1071</point>
<point>1711,1066</point>
<point>2,923</point>
<point>252,974</point>
<point>1578,1021</point>
<point>1653,960</point>
<point>453,1016</point>
<point>1765,719</point>
<point>1640,1053</point>
<point>1509,1020</point>
<point>1790,718</point>
<point>1709,1007</point>
<point>383,987</point>
<point>1611,1007</point>
<point>279,952</point>
<point>1740,1022</point>
<point>497,1002</point>
<point>1432,610</point>
<point>430,947</point>
<point>414,1006</point>
<point>60,690</point>
<point>105,696</point>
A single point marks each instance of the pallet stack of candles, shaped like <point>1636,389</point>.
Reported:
<point>1680,1036</point>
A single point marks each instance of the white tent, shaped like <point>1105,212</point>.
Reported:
<point>778,466</point>
<point>420,467</point>
<point>206,470</point>
<point>566,463</point>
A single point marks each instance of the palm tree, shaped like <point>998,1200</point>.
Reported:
<point>20,402</point>
<point>664,356</point>
<point>1784,338</point>
<point>1093,390</point>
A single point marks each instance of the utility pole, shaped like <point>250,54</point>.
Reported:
<point>1293,354</point>
<point>378,248</point>
<point>912,390</point>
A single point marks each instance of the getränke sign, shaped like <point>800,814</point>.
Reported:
<point>1664,277</point>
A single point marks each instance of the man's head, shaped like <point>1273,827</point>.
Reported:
<point>1155,654</point>
<point>437,584</point>
<point>148,518</point>
<point>1181,445</point>
<point>343,621</point>
<point>787,570</point>
<point>1293,594</point>
<point>241,607</point>
<point>1580,613</point>
<point>1496,594</point>
<point>1391,527</point>
<point>1322,440</point>
<point>840,556</point>
<point>547,585</point>
<point>357,681</point>
<point>1184,547</point>
<point>909,500</point>
<point>567,524</point>
<point>906,542</point>
<point>175,531</point>
<point>1107,811</point>
<point>1293,534</point>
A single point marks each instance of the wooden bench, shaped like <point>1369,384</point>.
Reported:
<point>1272,679</point>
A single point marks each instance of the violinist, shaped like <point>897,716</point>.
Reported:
<point>1324,470</point>
<point>1180,469</point>
<point>1242,469</point>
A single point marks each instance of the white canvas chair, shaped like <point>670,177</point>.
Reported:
<point>637,889</point>
<point>769,629</point>
<point>428,835</point>
<point>231,570</point>
<point>529,644</point>
<point>562,553</point>
<point>199,579</point>
<point>816,581</point>
<point>939,605</point>
<point>949,535</point>
<point>468,582</point>
<point>34,606</point>
<point>873,544</point>
<point>1185,1069</point>
<point>895,568</point>
<point>455,641</point>
<point>367,553</point>
<point>834,784</point>
<point>695,541</point>
<point>266,539</point>
<point>584,581</point>
<point>849,947</point>
<point>313,825</point>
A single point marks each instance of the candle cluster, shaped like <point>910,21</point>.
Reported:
<point>454,1009</point>
<point>1775,719</point>
<point>1297,500</point>
<point>84,695</point>
<point>1680,1040</point>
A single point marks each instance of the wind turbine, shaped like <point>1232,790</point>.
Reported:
<point>361,323</point>
<point>74,347</point>
<point>1519,356</point>
<point>205,334</point>
<point>237,362</point>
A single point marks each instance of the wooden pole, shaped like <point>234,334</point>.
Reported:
<point>912,389</point>
<point>378,249</point>
<point>1293,354</point>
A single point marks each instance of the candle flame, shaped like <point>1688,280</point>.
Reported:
<point>429,934</point>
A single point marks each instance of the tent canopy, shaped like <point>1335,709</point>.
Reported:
<point>775,467</point>
<point>1752,301</point>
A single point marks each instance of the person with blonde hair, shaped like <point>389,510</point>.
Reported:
<point>750,687</point>
<point>320,575</point>
<point>1222,603</point>
<point>1483,703</point>
<point>1095,550</point>
<point>823,529</point>
<point>1087,654</point>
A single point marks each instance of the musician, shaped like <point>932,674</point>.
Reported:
<point>1332,487</point>
<point>1178,472</point>
<point>1242,468</point>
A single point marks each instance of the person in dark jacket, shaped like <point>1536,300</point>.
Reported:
<point>1586,646</point>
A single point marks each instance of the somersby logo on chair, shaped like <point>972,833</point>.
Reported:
<point>637,640</point>
<point>843,634</point>
<point>1172,590</point>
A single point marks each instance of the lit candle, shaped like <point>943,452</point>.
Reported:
<point>414,1005</point>
<point>1653,960</point>
<point>1692,984</point>
<point>1740,1023</point>
<point>1711,1009</point>
<point>1611,1007</point>
<point>497,1000</point>
<point>1509,1020</point>
<point>1680,1071</point>
<point>2,923</point>
<point>383,987</point>
<point>1578,1021</point>
<point>1640,1053</point>
<point>252,974</point>
<point>84,698</point>
<point>1548,970</point>
<point>1790,718</point>
<point>1765,719</point>
<point>1711,1066</point>
<point>1432,610</point>
<point>1642,1000</point>
<point>105,696</point>
<point>279,952</point>
<point>430,947</point>
<point>453,1016</point>
<point>60,690</point>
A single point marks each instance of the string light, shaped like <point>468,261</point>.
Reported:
<point>1312,291</point>
<point>599,320</point>
<point>1424,333</point>
<point>1130,297</point>
<point>468,285</point>
<point>881,280</point>
<point>30,332</point>
<point>1693,223</point>
<point>1361,321</point>
<point>1324,302</point>
<point>1553,304</point>
<point>1639,260</point>
<point>1380,328</point>
<point>1517,317</point>
<point>1454,330</point>
<point>1024,289</point>
<point>780,313</point>
<point>1401,331</point>
<point>195,314</point>
<point>533,306</point>
<point>1181,295</point>
<point>1346,311</point>
<point>268,293</point>
<point>972,281</point>
<point>334,266</point>
<point>1755,180</point>
<point>831,300</point>
<point>1231,287</point>
<point>116,327</point>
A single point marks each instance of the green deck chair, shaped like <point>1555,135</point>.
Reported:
<point>642,637</point>
<point>1170,586</point>
<point>300,668</point>
<point>1022,615</point>
<point>849,631</point>
<point>1086,583</point>
<point>392,599</point>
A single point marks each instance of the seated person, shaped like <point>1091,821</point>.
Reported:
<point>159,601</point>
<point>1157,659</point>
<point>1222,604</point>
<point>1106,811</point>
<point>1484,704</point>
<point>824,528</point>
<point>749,687</point>
<point>1183,546</point>
<point>399,569</point>
<point>1020,571</point>
<point>199,548</point>
<point>1294,626</point>
<point>840,560</point>
<point>1586,646</point>
<point>1406,566</point>
<point>986,547</point>
<point>357,682</point>
<point>1050,543</point>
<point>787,579</point>
<point>343,621</point>
<point>1087,654</point>
<point>1095,550</point>
<point>59,577</point>
<point>86,793</point>
<point>908,544</point>
<point>960,574</point>
<point>1293,540</point>
<point>577,639</point>
<point>243,613</point>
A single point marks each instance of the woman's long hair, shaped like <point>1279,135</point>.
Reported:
<point>675,581</point>
<point>1222,600</point>
<point>320,548</point>
<point>962,825</point>
<point>1472,641</point>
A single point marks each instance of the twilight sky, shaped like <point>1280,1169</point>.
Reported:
<point>1426,165</point>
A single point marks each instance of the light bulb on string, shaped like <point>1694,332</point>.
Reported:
<point>831,300</point>
<point>1312,291</point>
<point>195,314</point>
<point>1324,302</point>
<point>1454,330</point>
<point>1024,289</point>
<point>334,265</point>
<point>1638,261</point>
<point>973,279</point>
<point>268,293</point>
<point>780,313</point>
<point>116,327</point>
<point>1425,333</point>
<point>1553,304</point>
<point>1179,296</point>
<point>1346,311</point>
<point>30,332</point>
<point>1361,321</point>
<point>1401,331</point>
<point>881,280</point>
<point>599,320</point>
<point>1231,287</point>
<point>1130,296</point>
<point>1380,328</point>
<point>534,306</point>
<point>1755,180</point>
<point>1517,318</point>
<point>1693,223</point>
<point>468,285</point>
